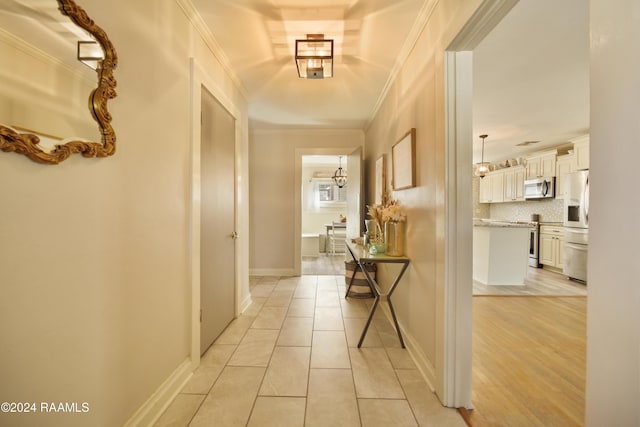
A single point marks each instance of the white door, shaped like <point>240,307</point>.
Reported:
<point>355,194</point>
<point>217,237</point>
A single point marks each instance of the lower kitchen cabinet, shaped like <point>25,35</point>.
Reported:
<point>551,246</point>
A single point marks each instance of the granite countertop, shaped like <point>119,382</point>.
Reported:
<point>484,222</point>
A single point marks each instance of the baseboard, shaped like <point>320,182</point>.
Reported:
<point>245,304</point>
<point>271,272</point>
<point>425,367</point>
<point>153,408</point>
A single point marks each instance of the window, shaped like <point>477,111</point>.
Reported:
<point>328,192</point>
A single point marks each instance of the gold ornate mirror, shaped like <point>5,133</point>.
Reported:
<point>42,81</point>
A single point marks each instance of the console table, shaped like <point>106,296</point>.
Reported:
<point>362,257</point>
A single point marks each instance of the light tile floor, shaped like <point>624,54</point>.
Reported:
<point>292,360</point>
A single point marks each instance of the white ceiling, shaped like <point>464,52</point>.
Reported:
<point>531,79</point>
<point>258,39</point>
<point>530,73</point>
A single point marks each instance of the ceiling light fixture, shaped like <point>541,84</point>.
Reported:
<point>340,176</point>
<point>483,168</point>
<point>90,53</point>
<point>314,57</point>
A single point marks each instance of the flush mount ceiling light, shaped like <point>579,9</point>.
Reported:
<point>314,57</point>
<point>340,176</point>
<point>483,168</point>
<point>90,53</point>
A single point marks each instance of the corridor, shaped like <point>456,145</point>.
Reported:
<point>292,360</point>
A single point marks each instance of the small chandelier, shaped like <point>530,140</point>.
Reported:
<point>314,57</point>
<point>340,176</point>
<point>483,167</point>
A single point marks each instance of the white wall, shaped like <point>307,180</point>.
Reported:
<point>94,253</point>
<point>613,317</point>
<point>416,100</point>
<point>272,190</point>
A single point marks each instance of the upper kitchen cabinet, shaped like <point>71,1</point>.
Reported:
<point>541,165</point>
<point>492,187</point>
<point>514,184</point>
<point>564,165</point>
<point>581,153</point>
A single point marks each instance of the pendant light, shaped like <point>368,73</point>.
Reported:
<point>483,168</point>
<point>340,176</point>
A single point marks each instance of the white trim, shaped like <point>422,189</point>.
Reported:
<point>201,27</point>
<point>288,272</point>
<point>458,221</point>
<point>19,44</point>
<point>297,199</point>
<point>420,359</point>
<point>160,400</point>
<point>456,332</point>
<point>410,42</point>
<point>199,78</point>
<point>483,21</point>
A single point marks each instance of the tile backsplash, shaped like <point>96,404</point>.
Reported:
<point>549,210</point>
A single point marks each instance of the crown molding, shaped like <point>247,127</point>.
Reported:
<point>201,27</point>
<point>416,30</point>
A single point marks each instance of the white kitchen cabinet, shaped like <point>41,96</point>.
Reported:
<point>485,189</point>
<point>581,154</point>
<point>551,246</point>
<point>514,184</point>
<point>542,165</point>
<point>564,166</point>
<point>497,187</point>
<point>492,187</point>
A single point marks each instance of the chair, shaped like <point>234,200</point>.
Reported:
<point>337,236</point>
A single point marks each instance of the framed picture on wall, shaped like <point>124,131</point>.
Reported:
<point>381,178</point>
<point>403,162</point>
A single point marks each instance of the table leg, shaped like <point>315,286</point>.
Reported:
<point>395,321</point>
<point>353,276</point>
<point>369,319</point>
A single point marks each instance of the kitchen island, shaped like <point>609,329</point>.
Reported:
<point>500,252</point>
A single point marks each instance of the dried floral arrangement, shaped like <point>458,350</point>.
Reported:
<point>387,210</point>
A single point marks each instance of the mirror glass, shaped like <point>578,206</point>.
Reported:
<point>45,89</point>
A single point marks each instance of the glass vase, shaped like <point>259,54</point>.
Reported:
<point>394,238</point>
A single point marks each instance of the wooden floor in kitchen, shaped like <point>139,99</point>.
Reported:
<point>529,358</point>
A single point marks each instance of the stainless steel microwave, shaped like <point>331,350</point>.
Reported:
<point>539,188</point>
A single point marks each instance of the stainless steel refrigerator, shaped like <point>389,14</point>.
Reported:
<point>576,223</point>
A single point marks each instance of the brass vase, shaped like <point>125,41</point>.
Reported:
<point>394,238</point>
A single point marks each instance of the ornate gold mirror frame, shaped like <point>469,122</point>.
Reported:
<point>27,144</point>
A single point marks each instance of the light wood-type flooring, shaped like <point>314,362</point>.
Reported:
<point>529,356</point>
<point>538,281</point>
<point>324,264</point>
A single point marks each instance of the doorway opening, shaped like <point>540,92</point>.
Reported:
<point>319,203</point>
<point>459,302</point>
<point>323,215</point>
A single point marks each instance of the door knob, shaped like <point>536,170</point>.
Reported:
<point>234,235</point>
